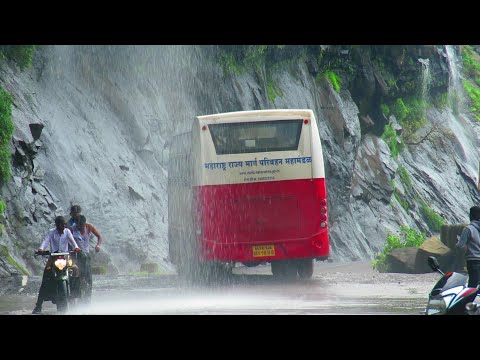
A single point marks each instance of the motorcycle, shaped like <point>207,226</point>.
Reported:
<point>60,269</point>
<point>451,293</point>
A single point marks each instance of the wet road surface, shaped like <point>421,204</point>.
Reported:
<point>335,289</point>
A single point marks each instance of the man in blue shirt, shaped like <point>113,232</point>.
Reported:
<point>75,212</point>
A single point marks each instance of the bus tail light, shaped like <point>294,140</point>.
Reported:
<point>323,213</point>
<point>323,217</point>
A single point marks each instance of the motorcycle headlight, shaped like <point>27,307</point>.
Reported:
<point>60,263</point>
<point>70,262</point>
<point>436,306</point>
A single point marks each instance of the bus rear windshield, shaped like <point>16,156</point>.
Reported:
<point>254,137</point>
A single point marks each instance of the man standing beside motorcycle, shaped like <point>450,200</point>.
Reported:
<point>57,239</point>
<point>470,243</point>
<point>81,232</point>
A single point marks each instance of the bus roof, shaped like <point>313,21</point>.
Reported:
<point>258,113</point>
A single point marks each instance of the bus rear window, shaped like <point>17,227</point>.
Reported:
<point>253,137</point>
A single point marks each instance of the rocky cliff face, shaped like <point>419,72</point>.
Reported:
<point>92,125</point>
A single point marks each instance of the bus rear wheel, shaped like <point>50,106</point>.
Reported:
<point>216,271</point>
<point>305,268</point>
<point>284,269</point>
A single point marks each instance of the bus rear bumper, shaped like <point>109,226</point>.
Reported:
<point>316,247</point>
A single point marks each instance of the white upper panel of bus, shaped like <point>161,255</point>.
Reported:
<point>271,163</point>
<point>256,115</point>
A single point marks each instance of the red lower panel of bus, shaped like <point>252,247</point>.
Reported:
<point>262,221</point>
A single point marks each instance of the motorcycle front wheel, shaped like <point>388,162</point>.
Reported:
<point>62,302</point>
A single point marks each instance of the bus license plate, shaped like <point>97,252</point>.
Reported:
<point>263,250</point>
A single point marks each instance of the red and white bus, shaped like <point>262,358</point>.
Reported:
<point>248,187</point>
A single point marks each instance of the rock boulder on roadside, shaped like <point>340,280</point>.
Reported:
<point>413,260</point>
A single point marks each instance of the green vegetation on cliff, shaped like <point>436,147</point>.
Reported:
<point>393,141</point>
<point>6,132</point>
<point>5,254</point>
<point>473,93</point>
<point>266,59</point>
<point>21,54</point>
<point>412,199</point>
<point>410,113</point>
<point>407,238</point>
<point>471,68</point>
<point>471,63</point>
<point>238,59</point>
<point>333,79</point>
<point>433,220</point>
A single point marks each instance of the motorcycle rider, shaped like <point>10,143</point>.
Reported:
<point>470,243</point>
<point>81,232</point>
<point>57,239</point>
<point>75,212</point>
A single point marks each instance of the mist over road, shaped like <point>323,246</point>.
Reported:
<point>335,289</point>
